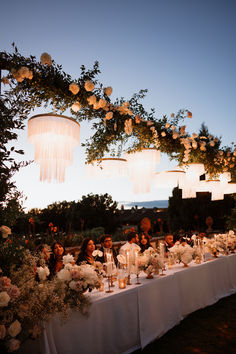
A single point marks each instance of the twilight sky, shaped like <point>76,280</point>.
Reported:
<point>183,52</point>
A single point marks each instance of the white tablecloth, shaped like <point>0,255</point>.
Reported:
<point>129,319</point>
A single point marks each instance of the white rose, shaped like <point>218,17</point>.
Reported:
<point>72,284</point>
<point>76,107</point>
<point>89,85</point>
<point>108,90</point>
<point>128,126</point>
<point>109,115</point>
<point>23,71</point>
<point>46,59</point>
<point>4,298</point>
<point>68,259</point>
<point>102,103</point>
<point>43,272</point>
<point>74,88</point>
<point>97,253</point>
<point>14,329</point>
<point>64,275</point>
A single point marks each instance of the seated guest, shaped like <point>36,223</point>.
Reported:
<point>169,242</point>
<point>144,242</point>
<point>55,261</point>
<point>106,243</point>
<point>86,252</point>
<point>131,244</point>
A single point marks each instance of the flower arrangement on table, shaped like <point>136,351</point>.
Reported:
<point>150,262</point>
<point>182,252</point>
<point>231,241</point>
<point>221,243</point>
<point>28,300</point>
<point>80,278</point>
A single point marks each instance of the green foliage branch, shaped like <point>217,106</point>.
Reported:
<point>49,86</point>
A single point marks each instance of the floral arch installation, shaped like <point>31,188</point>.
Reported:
<point>30,83</point>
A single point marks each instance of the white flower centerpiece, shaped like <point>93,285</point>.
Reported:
<point>150,262</point>
<point>231,241</point>
<point>182,252</point>
<point>80,278</point>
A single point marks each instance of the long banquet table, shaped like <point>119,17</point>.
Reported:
<point>129,319</point>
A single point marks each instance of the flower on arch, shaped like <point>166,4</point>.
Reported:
<point>109,115</point>
<point>89,85</point>
<point>74,88</point>
<point>76,107</point>
<point>108,90</point>
<point>128,126</point>
<point>46,59</point>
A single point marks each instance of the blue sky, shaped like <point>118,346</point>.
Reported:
<point>182,51</point>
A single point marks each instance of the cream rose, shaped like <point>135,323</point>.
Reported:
<point>109,115</point>
<point>92,100</point>
<point>46,59</point>
<point>102,103</point>
<point>76,107</point>
<point>14,329</point>
<point>64,275</point>
<point>89,85</point>
<point>43,272</point>
<point>108,90</point>
<point>74,88</point>
<point>68,259</point>
<point>4,298</point>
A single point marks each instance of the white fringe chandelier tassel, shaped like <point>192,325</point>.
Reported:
<point>54,138</point>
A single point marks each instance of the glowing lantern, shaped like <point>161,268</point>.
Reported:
<point>142,166</point>
<point>107,168</point>
<point>54,138</point>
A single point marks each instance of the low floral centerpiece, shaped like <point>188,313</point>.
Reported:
<point>150,262</point>
<point>182,252</point>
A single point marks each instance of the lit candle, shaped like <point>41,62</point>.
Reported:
<point>122,283</point>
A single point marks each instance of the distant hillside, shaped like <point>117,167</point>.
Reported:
<point>145,204</point>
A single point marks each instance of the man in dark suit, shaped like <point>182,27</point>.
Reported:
<point>106,243</point>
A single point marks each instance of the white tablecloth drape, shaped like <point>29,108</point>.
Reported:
<point>129,319</point>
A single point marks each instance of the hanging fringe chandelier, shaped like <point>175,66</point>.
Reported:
<point>107,168</point>
<point>54,138</point>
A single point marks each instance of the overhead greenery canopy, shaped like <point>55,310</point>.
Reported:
<point>117,124</point>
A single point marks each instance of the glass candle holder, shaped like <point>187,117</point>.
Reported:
<point>122,284</point>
